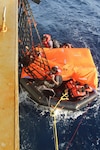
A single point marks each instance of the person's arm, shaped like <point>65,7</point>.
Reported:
<point>53,79</point>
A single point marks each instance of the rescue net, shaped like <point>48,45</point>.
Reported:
<point>26,25</point>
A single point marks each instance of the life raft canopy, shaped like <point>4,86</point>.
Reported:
<point>75,63</point>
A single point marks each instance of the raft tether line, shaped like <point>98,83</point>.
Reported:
<point>52,114</point>
<point>84,115</point>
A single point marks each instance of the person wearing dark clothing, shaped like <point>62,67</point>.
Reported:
<point>56,44</point>
<point>56,78</point>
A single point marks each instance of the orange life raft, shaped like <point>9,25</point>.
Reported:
<point>76,63</point>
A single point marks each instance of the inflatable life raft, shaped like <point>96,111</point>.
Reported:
<point>74,63</point>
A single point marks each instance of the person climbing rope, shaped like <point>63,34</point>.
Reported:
<point>78,92</point>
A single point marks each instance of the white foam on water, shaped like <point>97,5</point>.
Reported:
<point>23,96</point>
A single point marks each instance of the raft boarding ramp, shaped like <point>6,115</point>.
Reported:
<point>9,109</point>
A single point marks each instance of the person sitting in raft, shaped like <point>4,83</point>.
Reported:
<point>56,43</point>
<point>88,88</point>
<point>78,92</point>
<point>46,41</point>
<point>56,78</point>
<point>70,84</point>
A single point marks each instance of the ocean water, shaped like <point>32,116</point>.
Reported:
<point>76,22</point>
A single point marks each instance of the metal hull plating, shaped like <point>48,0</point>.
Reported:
<point>9,110</point>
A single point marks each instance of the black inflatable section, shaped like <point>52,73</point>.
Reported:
<point>43,97</point>
<point>33,92</point>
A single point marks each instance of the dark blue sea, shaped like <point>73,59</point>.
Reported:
<point>76,22</point>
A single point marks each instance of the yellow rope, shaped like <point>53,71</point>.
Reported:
<point>63,97</point>
<point>55,132</point>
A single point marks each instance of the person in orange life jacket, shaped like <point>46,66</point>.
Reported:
<point>46,41</point>
<point>78,85</point>
<point>70,84</point>
<point>88,88</point>
<point>78,92</point>
<point>56,78</point>
<point>26,52</point>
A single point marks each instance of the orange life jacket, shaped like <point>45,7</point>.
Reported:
<point>48,38</point>
<point>70,84</point>
<point>46,44</point>
<point>76,93</point>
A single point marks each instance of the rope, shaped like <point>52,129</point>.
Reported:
<point>63,97</point>
<point>35,26</point>
<point>55,132</point>
<point>84,115</point>
<point>26,22</point>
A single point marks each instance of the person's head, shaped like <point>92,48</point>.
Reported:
<point>64,45</point>
<point>86,86</point>
<point>54,69</point>
<point>82,89</point>
<point>27,48</point>
<point>44,38</point>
